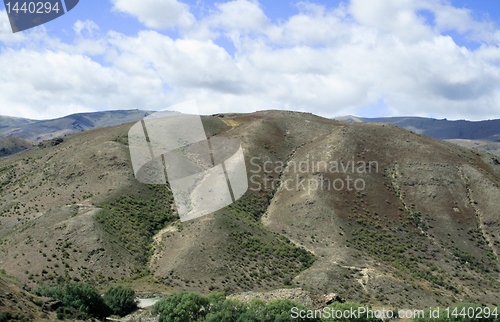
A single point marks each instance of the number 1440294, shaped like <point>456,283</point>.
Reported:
<point>32,7</point>
<point>472,312</point>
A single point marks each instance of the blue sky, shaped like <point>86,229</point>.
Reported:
<point>363,57</point>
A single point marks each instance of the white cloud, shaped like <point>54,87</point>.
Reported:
<point>397,17</point>
<point>6,35</point>
<point>51,84</point>
<point>87,25</point>
<point>329,62</point>
<point>450,18</point>
<point>157,14</point>
<point>239,15</point>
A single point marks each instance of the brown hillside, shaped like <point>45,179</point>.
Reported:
<point>423,231</point>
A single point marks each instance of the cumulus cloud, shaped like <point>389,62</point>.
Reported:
<point>6,35</point>
<point>157,14</point>
<point>396,17</point>
<point>87,25</point>
<point>51,84</point>
<point>239,15</point>
<point>329,62</point>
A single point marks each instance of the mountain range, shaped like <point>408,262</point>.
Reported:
<point>39,130</point>
<point>370,211</point>
<point>482,135</point>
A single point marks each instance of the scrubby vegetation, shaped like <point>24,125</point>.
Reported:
<point>7,316</point>
<point>259,255</point>
<point>82,301</point>
<point>250,206</point>
<point>282,258</point>
<point>136,220</point>
<point>79,296</point>
<point>402,241</point>
<point>121,300</point>
<point>400,251</point>
<point>192,307</point>
<point>2,273</point>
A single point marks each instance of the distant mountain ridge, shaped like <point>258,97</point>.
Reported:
<point>483,135</point>
<point>9,121</point>
<point>39,130</point>
<point>438,129</point>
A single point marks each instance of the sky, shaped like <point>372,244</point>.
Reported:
<point>370,58</point>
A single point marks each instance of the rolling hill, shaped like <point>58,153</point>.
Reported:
<point>9,122</point>
<point>13,145</point>
<point>370,211</point>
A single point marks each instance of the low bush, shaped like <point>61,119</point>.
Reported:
<point>7,316</point>
<point>121,300</point>
<point>186,307</point>
<point>192,307</point>
<point>80,296</point>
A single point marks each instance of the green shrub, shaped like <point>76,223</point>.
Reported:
<point>80,296</point>
<point>70,313</point>
<point>121,300</point>
<point>226,311</point>
<point>6,316</point>
<point>9,317</point>
<point>185,307</point>
<point>191,307</point>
